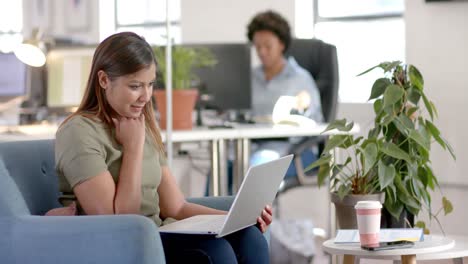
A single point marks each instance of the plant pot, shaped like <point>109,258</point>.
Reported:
<point>183,104</point>
<point>406,220</point>
<point>345,212</point>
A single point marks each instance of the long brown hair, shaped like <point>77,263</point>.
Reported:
<point>118,55</point>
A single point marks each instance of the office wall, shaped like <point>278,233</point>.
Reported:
<point>437,43</point>
<point>57,19</point>
<point>225,21</point>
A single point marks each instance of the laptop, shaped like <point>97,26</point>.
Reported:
<point>258,189</point>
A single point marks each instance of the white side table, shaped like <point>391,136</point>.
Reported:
<point>433,247</point>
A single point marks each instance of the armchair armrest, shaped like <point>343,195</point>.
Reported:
<point>80,239</point>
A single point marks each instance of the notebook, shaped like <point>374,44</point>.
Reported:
<point>258,189</point>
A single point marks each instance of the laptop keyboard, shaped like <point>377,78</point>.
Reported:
<point>214,224</point>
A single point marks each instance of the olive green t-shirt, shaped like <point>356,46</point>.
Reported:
<point>84,148</point>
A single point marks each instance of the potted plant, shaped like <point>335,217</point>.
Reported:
<point>184,96</point>
<point>394,158</point>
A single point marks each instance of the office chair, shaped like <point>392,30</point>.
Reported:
<point>320,59</point>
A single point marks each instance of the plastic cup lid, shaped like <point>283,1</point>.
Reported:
<point>368,205</point>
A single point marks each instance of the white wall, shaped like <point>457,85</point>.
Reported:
<point>225,21</point>
<point>437,43</point>
<point>55,21</point>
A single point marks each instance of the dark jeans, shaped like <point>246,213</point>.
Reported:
<point>244,246</point>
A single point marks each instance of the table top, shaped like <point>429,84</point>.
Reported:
<point>238,131</point>
<point>433,247</point>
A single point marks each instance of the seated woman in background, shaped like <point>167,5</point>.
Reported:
<point>110,158</point>
<point>277,76</point>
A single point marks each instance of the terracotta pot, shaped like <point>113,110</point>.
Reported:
<point>345,211</point>
<point>183,103</point>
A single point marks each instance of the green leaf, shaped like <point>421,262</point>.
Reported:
<point>324,172</point>
<point>368,70</point>
<point>388,119</point>
<point>428,106</point>
<point>442,142</point>
<point>436,113</point>
<point>400,126</point>
<point>412,168</point>
<point>370,156</point>
<point>357,140</point>
<point>386,66</point>
<point>450,149</point>
<point>336,141</point>
<point>379,87</point>
<point>423,176</point>
<point>343,190</point>
<point>435,133</point>
<point>389,66</point>
<point>340,125</point>
<point>412,110</point>
<point>386,174</point>
<point>324,159</point>
<point>448,207</point>
<point>431,180</point>
<point>422,225</point>
<point>414,186</point>
<point>404,196</point>
<point>406,121</point>
<point>390,193</point>
<point>392,94</point>
<point>416,78</point>
<point>394,209</point>
<point>418,138</point>
<point>414,96</point>
<point>426,197</point>
<point>378,106</point>
<point>393,150</point>
<point>374,132</point>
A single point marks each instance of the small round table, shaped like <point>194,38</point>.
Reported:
<point>430,245</point>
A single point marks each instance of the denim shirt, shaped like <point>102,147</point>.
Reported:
<point>290,81</point>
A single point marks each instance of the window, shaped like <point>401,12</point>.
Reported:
<point>11,24</point>
<point>148,19</point>
<point>365,32</point>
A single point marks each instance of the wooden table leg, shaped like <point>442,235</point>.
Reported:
<point>408,259</point>
<point>348,259</point>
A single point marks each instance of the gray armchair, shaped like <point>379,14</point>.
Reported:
<point>28,189</point>
<point>320,59</point>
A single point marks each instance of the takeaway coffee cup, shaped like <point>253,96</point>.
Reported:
<point>368,221</point>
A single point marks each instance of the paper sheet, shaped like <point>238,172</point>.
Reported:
<point>386,235</point>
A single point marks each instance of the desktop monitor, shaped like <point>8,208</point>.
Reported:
<point>13,79</point>
<point>228,82</point>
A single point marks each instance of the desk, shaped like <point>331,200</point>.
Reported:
<point>433,247</point>
<point>241,134</point>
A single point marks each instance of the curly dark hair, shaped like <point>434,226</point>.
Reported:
<point>273,22</point>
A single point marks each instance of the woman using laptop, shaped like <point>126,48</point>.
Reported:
<point>110,158</point>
